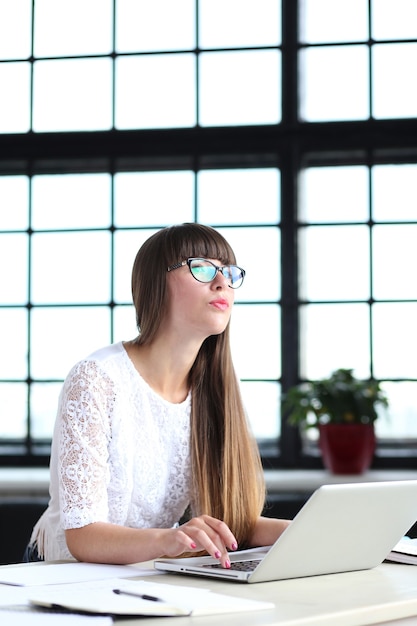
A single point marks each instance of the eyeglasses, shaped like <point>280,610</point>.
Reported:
<point>205,271</point>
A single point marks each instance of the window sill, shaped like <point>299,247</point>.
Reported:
<point>307,481</point>
<point>34,482</point>
<point>24,482</point>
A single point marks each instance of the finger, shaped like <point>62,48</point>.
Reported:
<point>212,544</point>
<point>209,534</point>
<point>197,539</point>
<point>223,531</point>
<point>185,539</point>
<point>213,535</point>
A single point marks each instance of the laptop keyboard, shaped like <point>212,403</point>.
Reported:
<point>241,566</point>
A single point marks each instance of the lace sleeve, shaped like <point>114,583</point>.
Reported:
<point>85,411</point>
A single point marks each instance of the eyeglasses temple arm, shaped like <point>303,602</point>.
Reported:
<point>176,266</point>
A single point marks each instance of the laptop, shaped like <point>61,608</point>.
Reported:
<point>341,528</point>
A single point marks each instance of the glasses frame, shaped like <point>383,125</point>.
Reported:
<point>218,268</point>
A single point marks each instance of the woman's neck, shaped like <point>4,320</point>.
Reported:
<point>165,368</point>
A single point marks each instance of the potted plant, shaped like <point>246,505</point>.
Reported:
<point>343,409</point>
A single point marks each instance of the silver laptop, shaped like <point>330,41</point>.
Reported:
<point>341,528</point>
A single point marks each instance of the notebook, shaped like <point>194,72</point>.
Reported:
<point>341,528</point>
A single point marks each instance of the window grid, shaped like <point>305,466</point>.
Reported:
<point>291,144</point>
<point>37,446</point>
<point>36,61</point>
<point>374,45</point>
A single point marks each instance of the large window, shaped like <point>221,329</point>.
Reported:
<point>288,125</point>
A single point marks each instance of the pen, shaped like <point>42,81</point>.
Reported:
<point>144,596</point>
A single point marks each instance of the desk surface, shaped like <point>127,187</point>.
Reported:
<point>388,592</point>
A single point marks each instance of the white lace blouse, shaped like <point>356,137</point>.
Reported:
<point>120,453</point>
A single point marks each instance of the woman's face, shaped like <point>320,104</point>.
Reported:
<point>196,308</point>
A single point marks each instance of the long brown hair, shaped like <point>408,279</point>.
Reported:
<point>227,472</point>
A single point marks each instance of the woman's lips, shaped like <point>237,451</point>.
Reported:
<point>220,303</point>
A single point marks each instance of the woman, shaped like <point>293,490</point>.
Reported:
<point>149,428</point>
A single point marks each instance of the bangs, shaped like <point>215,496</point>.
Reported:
<point>196,240</point>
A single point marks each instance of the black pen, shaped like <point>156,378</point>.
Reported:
<point>144,596</point>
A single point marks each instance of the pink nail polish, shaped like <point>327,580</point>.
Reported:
<point>217,554</point>
<point>234,545</point>
<point>227,565</point>
<point>193,545</point>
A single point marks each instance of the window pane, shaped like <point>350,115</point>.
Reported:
<point>13,410</point>
<point>15,97</point>
<point>252,328</point>
<point>13,342</point>
<point>394,94</point>
<point>126,246</point>
<point>401,419</point>
<point>394,193</point>
<point>70,267</point>
<point>148,26</point>
<point>243,196</point>
<point>262,403</point>
<point>153,198</point>
<point>124,323</point>
<point>395,262</point>
<point>162,94</point>
<point>334,336</point>
<point>334,194</point>
<point>395,340</point>
<point>394,20</point>
<point>240,88</point>
<point>14,202</point>
<point>81,98</point>
<point>14,280</point>
<point>333,262</point>
<point>62,336</point>
<point>15,29</point>
<point>44,405</point>
<point>327,21</point>
<point>334,83</point>
<point>258,251</point>
<point>243,23</point>
<point>71,201</point>
<point>73,27</point>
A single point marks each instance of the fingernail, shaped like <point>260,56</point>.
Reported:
<point>217,554</point>
<point>193,545</point>
<point>234,545</point>
<point>227,564</point>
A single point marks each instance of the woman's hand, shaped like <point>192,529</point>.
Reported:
<point>202,533</point>
<point>102,542</point>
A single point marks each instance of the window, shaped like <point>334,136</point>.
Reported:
<point>357,261</point>
<point>288,125</point>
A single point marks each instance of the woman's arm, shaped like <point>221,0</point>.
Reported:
<point>267,531</point>
<point>102,542</point>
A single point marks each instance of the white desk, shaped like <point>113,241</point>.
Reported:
<point>385,594</point>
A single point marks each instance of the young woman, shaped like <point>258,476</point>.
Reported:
<point>152,428</point>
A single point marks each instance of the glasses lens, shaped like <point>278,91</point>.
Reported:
<point>235,274</point>
<point>202,270</point>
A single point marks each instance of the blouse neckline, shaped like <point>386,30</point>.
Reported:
<point>133,369</point>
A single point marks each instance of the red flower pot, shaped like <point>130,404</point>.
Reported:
<point>347,448</point>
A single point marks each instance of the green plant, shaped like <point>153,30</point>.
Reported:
<point>339,399</point>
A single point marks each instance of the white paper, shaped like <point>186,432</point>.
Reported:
<point>32,618</point>
<point>406,546</point>
<point>13,596</point>
<point>60,573</point>
<point>99,597</point>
